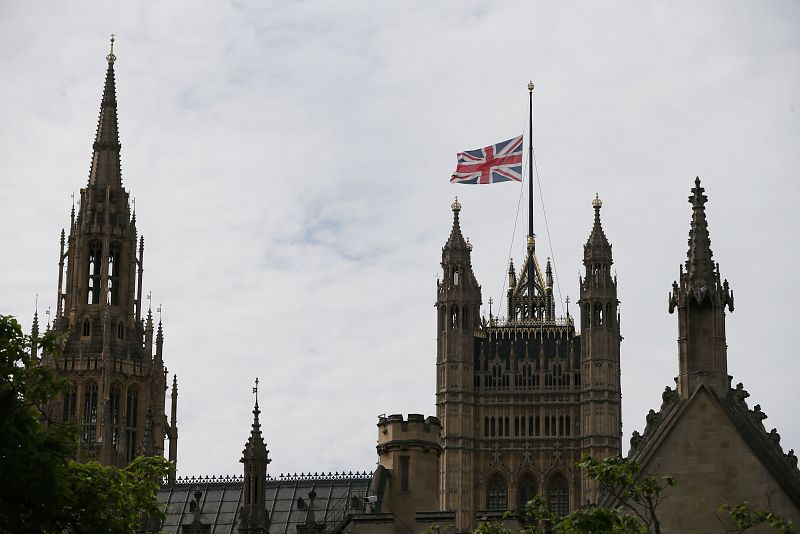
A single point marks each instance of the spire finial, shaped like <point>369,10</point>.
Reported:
<point>597,203</point>
<point>36,306</point>
<point>456,206</point>
<point>111,57</point>
<point>255,392</point>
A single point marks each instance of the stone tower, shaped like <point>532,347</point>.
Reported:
<point>601,418</point>
<point>516,414</point>
<point>458,307</point>
<point>119,382</point>
<point>700,299</point>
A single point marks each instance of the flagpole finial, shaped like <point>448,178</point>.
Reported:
<point>111,57</point>
<point>530,87</point>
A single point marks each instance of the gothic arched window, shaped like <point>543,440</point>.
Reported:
<point>87,328</point>
<point>456,276</point>
<point>527,490</point>
<point>115,415</point>
<point>120,331</point>
<point>89,426</point>
<point>93,279</point>
<point>131,420</point>
<point>70,403</point>
<point>558,495</point>
<point>113,274</point>
<point>496,494</point>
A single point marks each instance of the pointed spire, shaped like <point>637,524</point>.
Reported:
<point>699,265</point>
<point>597,246</point>
<point>255,448</point>
<point>105,169</point>
<point>456,240</point>
<point>35,331</point>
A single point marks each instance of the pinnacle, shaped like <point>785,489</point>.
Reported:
<point>105,167</point>
<point>597,245</point>
<point>699,263</point>
<point>456,240</point>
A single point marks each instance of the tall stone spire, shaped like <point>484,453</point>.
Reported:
<point>255,457</point>
<point>456,241</point>
<point>700,297</point>
<point>699,265</point>
<point>106,169</point>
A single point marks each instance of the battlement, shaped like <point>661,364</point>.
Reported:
<point>415,431</point>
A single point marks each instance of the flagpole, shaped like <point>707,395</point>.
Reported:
<point>531,242</point>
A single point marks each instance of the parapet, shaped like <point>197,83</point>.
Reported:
<point>416,431</point>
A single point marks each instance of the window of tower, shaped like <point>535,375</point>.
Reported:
<point>89,426</point>
<point>456,276</point>
<point>496,494</point>
<point>528,488</point>
<point>131,421</point>
<point>87,328</point>
<point>120,331</point>
<point>486,427</point>
<point>454,317</point>
<point>516,426</point>
<point>507,427</point>
<point>70,403</point>
<point>113,274</point>
<point>537,426</point>
<point>115,415</point>
<point>558,495</point>
<point>492,425</point>
<point>95,251</point>
<point>405,465</point>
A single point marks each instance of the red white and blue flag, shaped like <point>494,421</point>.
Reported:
<point>501,162</point>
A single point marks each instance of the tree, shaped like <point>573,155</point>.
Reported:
<point>42,489</point>
<point>746,517</point>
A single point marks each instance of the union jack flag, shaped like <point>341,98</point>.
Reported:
<point>501,162</point>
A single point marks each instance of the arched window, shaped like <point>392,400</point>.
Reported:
<point>120,331</point>
<point>527,490</point>
<point>496,494</point>
<point>131,420</point>
<point>95,251</point>
<point>558,495</point>
<point>454,317</point>
<point>486,426</point>
<point>115,415</point>
<point>113,274</point>
<point>87,328</point>
<point>70,403</point>
<point>456,276</point>
<point>89,426</point>
<point>492,427</point>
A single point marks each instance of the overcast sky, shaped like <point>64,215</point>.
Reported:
<point>291,163</point>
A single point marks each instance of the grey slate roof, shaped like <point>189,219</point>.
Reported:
<point>337,496</point>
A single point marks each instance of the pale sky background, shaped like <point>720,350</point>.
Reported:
<point>291,165</point>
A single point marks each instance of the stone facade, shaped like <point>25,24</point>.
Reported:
<point>522,398</point>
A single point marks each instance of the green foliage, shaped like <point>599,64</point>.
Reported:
<point>622,479</point>
<point>112,500</point>
<point>42,489</point>
<point>746,517</point>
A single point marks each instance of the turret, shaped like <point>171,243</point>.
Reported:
<point>700,298</point>
<point>409,451</point>
<point>254,518</point>
<point>457,304</point>
<point>600,351</point>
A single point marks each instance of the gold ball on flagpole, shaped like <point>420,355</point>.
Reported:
<point>530,87</point>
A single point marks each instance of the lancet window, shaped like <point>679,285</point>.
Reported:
<point>70,404</point>
<point>95,252</point>
<point>131,420</point>
<point>89,426</point>
<point>528,488</point>
<point>115,415</point>
<point>558,495</point>
<point>497,494</point>
<point>113,274</point>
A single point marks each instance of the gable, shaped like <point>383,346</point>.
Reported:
<point>713,464</point>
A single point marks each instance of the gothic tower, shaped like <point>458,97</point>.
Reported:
<point>516,412</point>
<point>119,383</point>
<point>458,307</point>
<point>700,297</point>
<point>253,518</point>
<point>601,419</point>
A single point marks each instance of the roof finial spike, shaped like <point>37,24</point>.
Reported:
<point>255,392</point>
<point>111,57</point>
